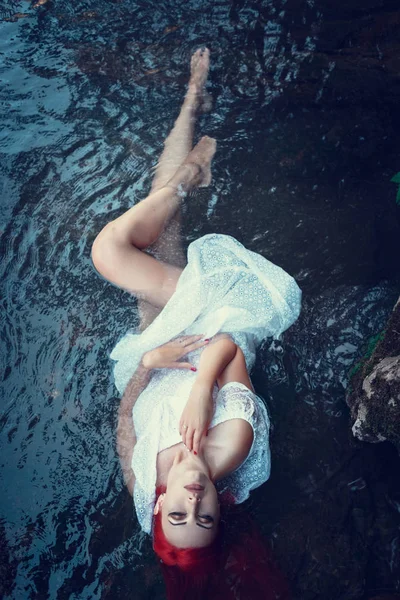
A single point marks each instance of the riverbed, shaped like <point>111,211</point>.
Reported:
<point>306,118</point>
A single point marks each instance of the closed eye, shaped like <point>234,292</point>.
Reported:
<point>205,521</point>
<point>177,516</point>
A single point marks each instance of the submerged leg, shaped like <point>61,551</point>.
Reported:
<point>179,142</point>
<point>117,252</point>
<point>168,247</point>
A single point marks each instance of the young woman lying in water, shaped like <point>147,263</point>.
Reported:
<point>192,434</point>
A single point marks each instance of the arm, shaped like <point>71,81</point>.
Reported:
<point>126,438</point>
<point>236,371</point>
<point>215,359</point>
<point>198,412</point>
<point>166,356</point>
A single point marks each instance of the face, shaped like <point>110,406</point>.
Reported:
<point>189,508</point>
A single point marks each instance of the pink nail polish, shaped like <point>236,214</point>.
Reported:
<point>193,369</point>
<point>207,340</point>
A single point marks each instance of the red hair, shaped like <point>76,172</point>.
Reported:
<point>241,569</point>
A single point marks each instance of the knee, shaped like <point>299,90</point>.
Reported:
<point>104,249</point>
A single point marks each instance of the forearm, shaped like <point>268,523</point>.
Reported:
<point>135,387</point>
<point>198,412</point>
<point>214,360</point>
<point>126,437</point>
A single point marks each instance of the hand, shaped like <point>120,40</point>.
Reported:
<point>167,356</point>
<point>196,416</point>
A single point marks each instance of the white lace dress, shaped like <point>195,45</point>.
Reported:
<point>223,288</point>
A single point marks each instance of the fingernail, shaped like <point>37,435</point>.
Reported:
<point>206,433</point>
<point>207,340</point>
<point>194,451</point>
<point>193,369</point>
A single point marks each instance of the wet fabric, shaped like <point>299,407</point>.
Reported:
<point>224,288</point>
<point>156,416</point>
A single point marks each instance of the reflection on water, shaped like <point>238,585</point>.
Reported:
<point>305,118</point>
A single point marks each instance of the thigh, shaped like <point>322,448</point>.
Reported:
<point>135,271</point>
<point>166,249</point>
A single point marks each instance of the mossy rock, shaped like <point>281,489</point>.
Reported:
<point>374,390</point>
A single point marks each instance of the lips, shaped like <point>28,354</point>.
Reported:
<point>194,487</point>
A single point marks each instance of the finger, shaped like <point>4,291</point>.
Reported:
<point>184,436</point>
<point>182,422</point>
<point>182,365</point>
<point>190,339</point>
<point>196,441</point>
<point>189,438</point>
<point>187,338</point>
<point>179,339</point>
<point>183,432</point>
<point>196,345</point>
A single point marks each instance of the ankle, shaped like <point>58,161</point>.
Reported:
<point>179,190</point>
<point>186,177</point>
<point>192,100</point>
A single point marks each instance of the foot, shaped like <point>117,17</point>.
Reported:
<point>196,169</point>
<point>197,95</point>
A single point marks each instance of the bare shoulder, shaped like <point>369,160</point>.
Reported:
<point>229,445</point>
<point>242,432</point>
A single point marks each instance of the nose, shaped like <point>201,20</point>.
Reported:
<point>193,498</point>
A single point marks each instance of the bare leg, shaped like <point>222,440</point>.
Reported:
<point>180,140</point>
<point>168,247</point>
<point>117,251</point>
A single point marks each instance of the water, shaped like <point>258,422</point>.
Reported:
<point>306,118</point>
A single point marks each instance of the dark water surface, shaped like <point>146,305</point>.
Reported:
<point>306,97</point>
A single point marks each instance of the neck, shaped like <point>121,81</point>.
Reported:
<point>219,464</point>
<point>218,460</point>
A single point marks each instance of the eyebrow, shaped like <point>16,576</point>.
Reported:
<point>198,524</point>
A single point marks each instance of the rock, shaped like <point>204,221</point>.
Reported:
<point>374,390</point>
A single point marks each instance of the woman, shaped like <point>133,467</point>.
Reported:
<point>191,431</point>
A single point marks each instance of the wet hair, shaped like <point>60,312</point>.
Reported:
<point>240,567</point>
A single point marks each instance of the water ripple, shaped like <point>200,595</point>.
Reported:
<point>90,90</point>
